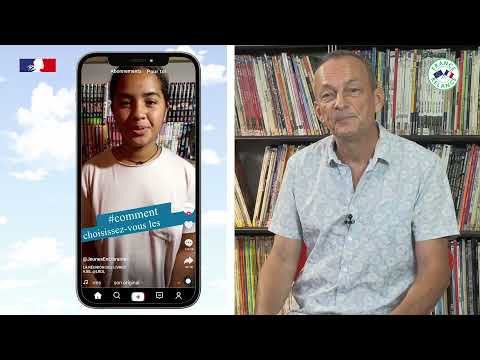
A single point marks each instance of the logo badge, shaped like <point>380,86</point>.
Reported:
<point>38,65</point>
<point>443,74</point>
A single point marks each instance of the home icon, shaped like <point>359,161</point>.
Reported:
<point>97,296</point>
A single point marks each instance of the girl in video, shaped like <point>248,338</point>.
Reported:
<point>136,174</point>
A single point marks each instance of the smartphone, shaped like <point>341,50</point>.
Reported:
<point>138,180</point>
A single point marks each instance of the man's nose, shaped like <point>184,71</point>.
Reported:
<point>339,101</point>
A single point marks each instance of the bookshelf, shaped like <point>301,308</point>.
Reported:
<point>459,129</point>
<point>99,130</point>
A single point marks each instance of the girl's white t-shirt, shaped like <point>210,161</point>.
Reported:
<point>109,186</point>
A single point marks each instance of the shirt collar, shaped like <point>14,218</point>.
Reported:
<point>382,149</point>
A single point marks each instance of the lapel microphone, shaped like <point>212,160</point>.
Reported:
<point>349,220</point>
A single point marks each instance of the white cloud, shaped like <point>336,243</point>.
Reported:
<point>214,74</point>
<point>47,136</point>
<point>15,284</point>
<point>200,55</point>
<point>30,175</point>
<point>208,127</point>
<point>2,79</point>
<point>214,217</point>
<point>210,73</point>
<point>3,220</point>
<point>36,252</point>
<point>210,157</point>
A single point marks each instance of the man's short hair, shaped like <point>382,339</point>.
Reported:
<point>158,71</point>
<point>345,53</point>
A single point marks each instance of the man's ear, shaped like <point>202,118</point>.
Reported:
<point>379,98</point>
<point>318,111</point>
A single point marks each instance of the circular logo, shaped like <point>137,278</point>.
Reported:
<point>443,74</point>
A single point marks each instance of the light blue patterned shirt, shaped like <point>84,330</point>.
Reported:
<point>366,267</point>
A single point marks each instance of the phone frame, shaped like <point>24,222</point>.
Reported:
<point>159,59</point>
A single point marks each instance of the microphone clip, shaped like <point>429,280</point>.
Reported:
<point>349,220</point>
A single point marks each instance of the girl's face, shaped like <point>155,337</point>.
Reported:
<point>139,108</point>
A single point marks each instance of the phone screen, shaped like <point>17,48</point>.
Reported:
<point>138,180</point>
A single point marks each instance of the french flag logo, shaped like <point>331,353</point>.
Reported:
<point>449,74</point>
<point>438,74</point>
<point>38,65</point>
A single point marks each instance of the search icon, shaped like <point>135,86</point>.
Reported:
<point>116,295</point>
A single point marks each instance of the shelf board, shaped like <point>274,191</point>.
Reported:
<point>265,232</point>
<point>424,139</point>
<point>252,231</point>
<point>467,234</point>
<point>444,139</point>
<point>281,139</point>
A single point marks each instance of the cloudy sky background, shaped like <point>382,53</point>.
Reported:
<point>37,196</point>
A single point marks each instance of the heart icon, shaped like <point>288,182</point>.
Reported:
<point>188,224</point>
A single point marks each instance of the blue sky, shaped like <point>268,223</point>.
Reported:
<point>37,196</point>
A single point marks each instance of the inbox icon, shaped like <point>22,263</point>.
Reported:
<point>138,296</point>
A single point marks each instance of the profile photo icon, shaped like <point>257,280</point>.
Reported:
<point>188,209</point>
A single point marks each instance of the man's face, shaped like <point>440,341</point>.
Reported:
<point>139,108</point>
<point>345,100</point>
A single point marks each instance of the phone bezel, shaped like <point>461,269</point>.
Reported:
<point>160,58</point>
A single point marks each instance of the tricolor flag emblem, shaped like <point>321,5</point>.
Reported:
<point>443,74</point>
<point>38,65</point>
<point>447,73</point>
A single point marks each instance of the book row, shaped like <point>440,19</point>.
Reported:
<point>274,93</point>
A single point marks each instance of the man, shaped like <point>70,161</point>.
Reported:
<point>136,174</point>
<point>373,209</point>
